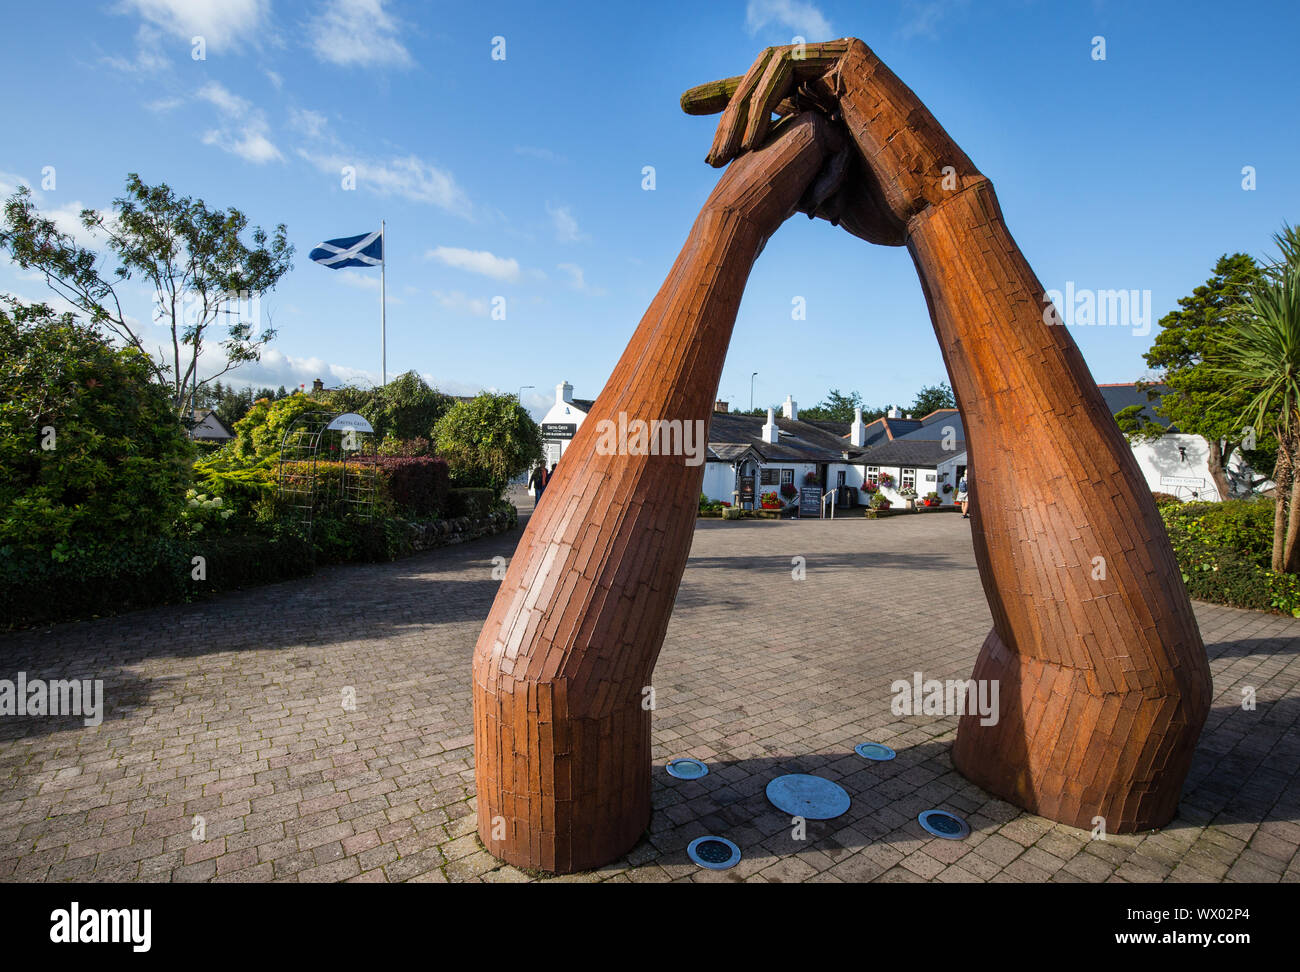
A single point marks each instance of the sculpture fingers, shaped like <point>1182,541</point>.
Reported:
<point>731,127</point>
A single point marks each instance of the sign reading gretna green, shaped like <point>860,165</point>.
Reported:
<point>559,430</point>
<point>810,501</point>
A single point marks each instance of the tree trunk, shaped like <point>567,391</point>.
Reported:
<point>1291,550</point>
<point>1282,479</point>
<point>1217,464</point>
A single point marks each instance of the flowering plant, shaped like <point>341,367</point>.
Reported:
<point>886,479</point>
<point>789,491</point>
<point>771,501</point>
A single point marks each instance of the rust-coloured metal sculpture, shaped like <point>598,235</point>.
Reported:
<point>1104,685</point>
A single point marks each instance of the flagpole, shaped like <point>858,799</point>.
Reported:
<point>383,306</point>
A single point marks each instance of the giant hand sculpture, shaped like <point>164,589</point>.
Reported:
<point>1104,681</point>
<point>1104,684</point>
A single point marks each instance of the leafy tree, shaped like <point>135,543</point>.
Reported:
<point>91,454</point>
<point>931,398</point>
<point>1196,401</point>
<point>1258,358</point>
<point>203,275</point>
<point>838,407</point>
<point>259,433</point>
<point>406,408</point>
<point>488,440</point>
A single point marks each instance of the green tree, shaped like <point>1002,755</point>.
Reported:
<point>206,280</point>
<point>258,434</point>
<point>838,407</point>
<point>405,408</point>
<point>1258,358</point>
<point>931,398</point>
<point>91,454</point>
<point>487,441</point>
<point>1195,401</point>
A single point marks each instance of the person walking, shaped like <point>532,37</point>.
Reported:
<point>538,481</point>
<point>963,495</point>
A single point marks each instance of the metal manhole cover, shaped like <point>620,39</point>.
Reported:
<point>877,751</point>
<point>715,853</point>
<point>687,769</point>
<point>810,797</point>
<point>943,824</point>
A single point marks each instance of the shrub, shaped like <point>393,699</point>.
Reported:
<point>416,485</point>
<point>259,433</point>
<point>1165,498</point>
<point>487,441</point>
<point>771,501</point>
<point>879,502</point>
<point>470,501</point>
<point>92,455</point>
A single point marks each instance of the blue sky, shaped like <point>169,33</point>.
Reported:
<point>522,178</point>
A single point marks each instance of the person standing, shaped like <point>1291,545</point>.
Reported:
<point>963,495</point>
<point>538,482</point>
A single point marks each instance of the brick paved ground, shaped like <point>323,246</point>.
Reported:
<point>232,710</point>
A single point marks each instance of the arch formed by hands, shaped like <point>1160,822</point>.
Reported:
<point>1104,684</point>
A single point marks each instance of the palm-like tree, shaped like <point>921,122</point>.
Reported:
<point>1260,352</point>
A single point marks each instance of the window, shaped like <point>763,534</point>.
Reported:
<point>873,475</point>
<point>769,477</point>
<point>839,477</point>
<point>908,479</point>
<point>787,476</point>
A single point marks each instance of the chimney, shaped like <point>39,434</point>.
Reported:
<point>563,393</point>
<point>770,432</point>
<point>858,430</point>
<point>317,386</point>
<point>895,412</point>
<point>790,409</point>
<point>720,405</point>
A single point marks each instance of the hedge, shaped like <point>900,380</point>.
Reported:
<point>1224,551</point>
<point>472,501</point>
<point>418,485</point>
<point>36,589</point>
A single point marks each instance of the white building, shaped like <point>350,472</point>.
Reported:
<point>1177,462</point>
<point>560,424</point>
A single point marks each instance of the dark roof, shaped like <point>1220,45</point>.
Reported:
<point>927,453</point>
<point>1122,396</point>
<point>933,425</point>
<point>586,404</point>
<point>840,429</point>
<point>732,434</point>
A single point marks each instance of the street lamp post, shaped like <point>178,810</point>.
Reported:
<point>520,396</point>
<point>751,390</point>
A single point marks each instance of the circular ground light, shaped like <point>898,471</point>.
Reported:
<point>687,769</point>
<point>810,797</point>
<point>943,824</point>
<point>877,751</point>
<point>715,853</point>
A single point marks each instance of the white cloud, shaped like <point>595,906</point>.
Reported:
<point>922,18</point>
<point>364,281</point>
<point>408,178</point>
<point>357,33</point>
<point>219,22</point>
<point>578,279</point>
<point>476,261</point>
<point>245,132</point>
<point>801,17</point>
<point>226,101</point>
<point>275,79</point>
<point>163,105</point>
<point>459,302</point>
<point>566,227</point>
<point>310,123</point>
<point>67,218</point>
<point>148,55</point>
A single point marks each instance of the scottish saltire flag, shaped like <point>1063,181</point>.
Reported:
<point>366,250</point>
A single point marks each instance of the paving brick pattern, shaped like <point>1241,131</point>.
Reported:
<point>234,712</point>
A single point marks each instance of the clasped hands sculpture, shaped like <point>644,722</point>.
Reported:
<point>1104,684</point>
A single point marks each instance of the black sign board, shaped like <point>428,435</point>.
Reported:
<point>747,489</point>
<point>559,430</point>
<point>810,501</point>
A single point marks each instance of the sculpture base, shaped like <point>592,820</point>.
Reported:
<point>1061,750</point>
<point>561,795</point>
